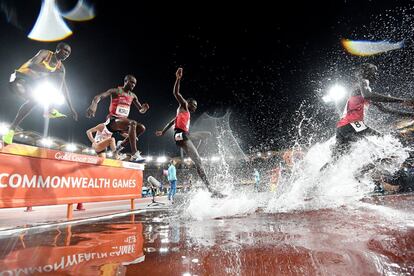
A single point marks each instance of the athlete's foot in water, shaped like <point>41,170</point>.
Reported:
<point>54,114</point>
<point>216,194</point>
<point>8,137</point>
<point>379,189</point>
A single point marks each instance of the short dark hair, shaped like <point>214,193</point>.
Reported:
<point>127,77</point>
<point>191,100</point>
<point>62,45</point>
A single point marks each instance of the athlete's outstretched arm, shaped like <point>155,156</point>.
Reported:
<point>176,91</point>
<point>90,112</point>
<point>35,62</point>
<point>91,131</point>
<point>142,108</point>
<point>166,128</point>
<point>375,97</point>
<point>394,111</point>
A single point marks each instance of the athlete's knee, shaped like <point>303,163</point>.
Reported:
<point>133,124</point>
<point>140,128</point>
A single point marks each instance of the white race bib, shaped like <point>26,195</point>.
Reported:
<point>12,77</point>
<point>178,136</point>
<point>122,110</point>
<point>359,126</point>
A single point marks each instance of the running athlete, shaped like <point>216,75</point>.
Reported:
<point>103,138</point>
<point>45,66</point>
<point>121,100</point>
<point>352,127</point>
<point>182,127</point>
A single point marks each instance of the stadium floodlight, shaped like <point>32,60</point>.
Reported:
<point>4,128</point>
<point>161,159</point>
<point>71,147</point>
<point>47,142</point>
<point>335,94</point>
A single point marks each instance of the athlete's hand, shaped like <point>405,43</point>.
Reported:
<point>144,108</point>
<point>75,115</point>
<point>90,112</point>
<point>159,133</point>
<point>179,73</point>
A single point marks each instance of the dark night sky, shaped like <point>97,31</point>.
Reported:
<point>260,59</point>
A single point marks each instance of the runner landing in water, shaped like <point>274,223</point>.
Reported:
<point>182,135</point>
<point>45,66</point>
<point>352,127</point>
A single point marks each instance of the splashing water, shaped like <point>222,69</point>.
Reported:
<point>201,206</point>
<point>307,188</point>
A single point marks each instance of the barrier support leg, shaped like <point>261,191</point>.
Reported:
<point>69,213</point>
<point>132,204</point>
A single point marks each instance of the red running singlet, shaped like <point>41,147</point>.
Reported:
<point>354,110</point>
<point>120,104</point>
<point>182,120</point>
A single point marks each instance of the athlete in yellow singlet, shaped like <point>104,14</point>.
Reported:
<point>45,65</point>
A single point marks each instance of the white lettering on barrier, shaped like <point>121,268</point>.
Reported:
<point>55,182</point>
<point>67,156</point>
<point>29,183</point>
<point>130,165</point>
<point>45,182</point>
<point>2,175</point>
<point>15,184</point>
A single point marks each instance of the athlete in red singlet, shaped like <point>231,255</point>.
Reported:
<point>121,100</point>
<point>352,127</point>
<point>182,126</point>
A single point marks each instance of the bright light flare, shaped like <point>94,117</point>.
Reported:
<point>161,159</point>
<point>47,94</point>
<point>335,94</point>
<point>81,12</point>
<point>4,128</point>
<point>49,25</point>
<point>71,147</point>
<point>47,142</point>
<point>369,48</point>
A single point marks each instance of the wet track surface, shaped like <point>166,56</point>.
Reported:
<point>375,237</point>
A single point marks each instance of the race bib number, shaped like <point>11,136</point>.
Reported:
<point>179,136</point>
<point>359,126</point>
<point>12,77</point>
<point>122,110</point>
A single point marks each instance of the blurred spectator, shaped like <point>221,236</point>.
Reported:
<point>172,178</point>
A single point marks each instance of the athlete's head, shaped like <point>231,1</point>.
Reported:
<point>192,105</point>
<point>63,51</point>
<point>129,82</point>
<point>367,71</point>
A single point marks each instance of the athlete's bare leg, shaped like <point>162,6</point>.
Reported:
<point>134,130</point>
<point>192,152</point>
<point>24,110</point>
<point>20,87</point>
